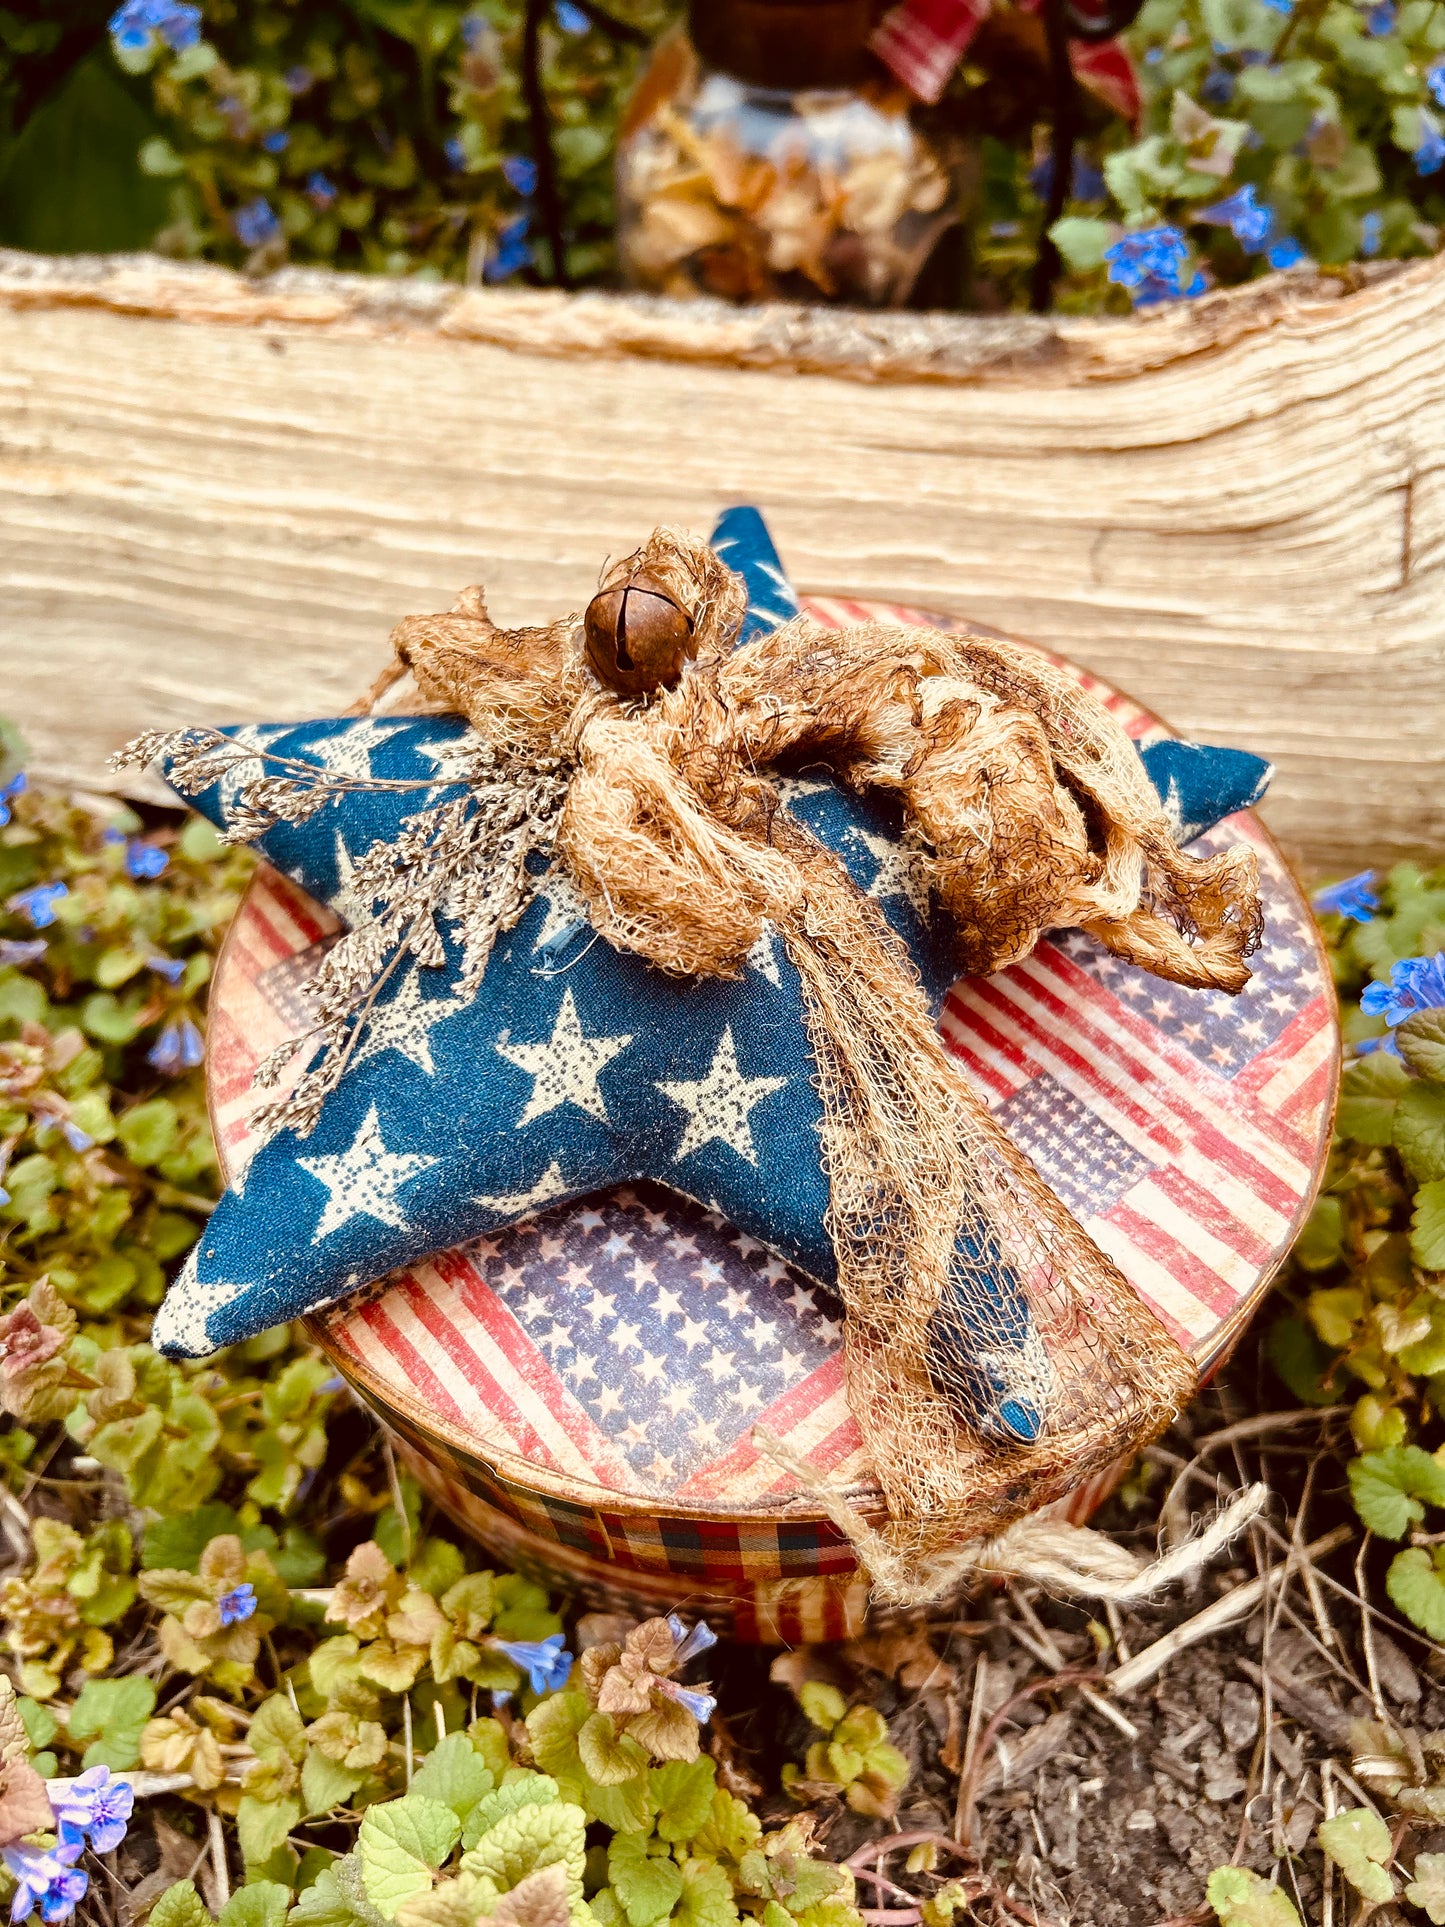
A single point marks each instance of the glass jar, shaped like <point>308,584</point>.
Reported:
<point>766,156</point>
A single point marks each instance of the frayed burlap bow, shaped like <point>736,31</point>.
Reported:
<point>996,1357</point>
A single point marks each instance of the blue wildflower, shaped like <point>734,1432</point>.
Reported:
<point>690,1641</point>
<point>546,1662</point>
<point>520,173</point>
<point>298,80</point>
<point>1416,984</point>
<point>1150,263</point>
<point>1285,253</point>
<point>171,968</point>
<point>456,154</point>
<point>513,252</point>
<point>95,1804</point>
<point>77,1139</point>
<point>47,1879</point>
<point>320,191</point>
<point>571,19</point>
<point>1352,897</point>
<point>1435,81</point>
<point>1217,87</point>
<point>138,25</point>
<point>180,1047</point>
<point>277,141</point>
<point>21,950</point>
<point>1430,154</point>
<point>144,860</point>
<point>37,904</point>
<point>702,1705</point>
<point>1286,7</point>
<point>1371,238</point>
<point>237,1604</point>
<point>1380,19</point>
<point>1154,57</point>
<point>8,792</point>
<point>1251,223</point>
<point>256,223</point>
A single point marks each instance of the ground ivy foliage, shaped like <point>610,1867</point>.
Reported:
<point>412,1741</point>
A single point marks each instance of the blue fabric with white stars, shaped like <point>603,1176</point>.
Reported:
<point>577,1067</point>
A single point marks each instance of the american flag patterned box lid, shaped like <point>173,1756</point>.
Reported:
<point>583,1387</point>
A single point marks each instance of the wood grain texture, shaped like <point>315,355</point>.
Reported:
<point>216,496</point>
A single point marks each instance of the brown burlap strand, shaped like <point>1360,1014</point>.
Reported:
<point>1026,809</point>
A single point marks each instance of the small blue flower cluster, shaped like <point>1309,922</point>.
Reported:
<point>93,1809</point>
<point>238,1604</point>
<point>1255,227</point>
<point>37,904</point>
<point>546,1662</point>
<point>1354,897</point>
<point>1152,263</point>
<point>8,793</point>
<point>140,27</point>
<point>256,223</point>
<point>1416,984</point>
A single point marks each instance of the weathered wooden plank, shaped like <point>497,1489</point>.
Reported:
<point>218,495</point>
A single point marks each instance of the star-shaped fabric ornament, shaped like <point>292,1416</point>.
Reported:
<point>575,1067</point>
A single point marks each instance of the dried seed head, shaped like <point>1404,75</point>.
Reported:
<point>638,636</point>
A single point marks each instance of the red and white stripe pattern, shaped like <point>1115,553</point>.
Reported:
<point>1188,1136</point>
<point>922,42</point>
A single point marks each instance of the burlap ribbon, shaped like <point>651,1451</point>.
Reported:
<point>995,1356</point>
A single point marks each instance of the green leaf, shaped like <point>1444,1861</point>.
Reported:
<point>707,1895</point>
<point>1244,1899</point>
<point>454,1773</point>
<point>1359,1844</point>
<point>176,1543</point>
<point>71,183</point>
<point>682,1793</point>
<point>648,1888</point>
<point>533,1837</point>
<point>276,1731</point>
<point>1427,1886</point>
<point>1417,1585</point>
<point>326,1904</point>
<point>1320,1245</point>
<point>147,1131</point>
<point>180,1906</point>
<point>1300,1359</point>
<point>1419,1130</point>
<point>112,1713</point>
<point>824,1705</point>
<point>1422,1042</point>
<point>1369,1091</point>
<point>607,1756</point>
<point>1427,1226</point>
<point>521,1788</point>
<point>260,1903</point>
<point>41,1725</point>
<point>401,1844</point>
<point>1387,1488</point>
<point>262,1826</point>
<point>1081,241</point>
<point>325,1784</point>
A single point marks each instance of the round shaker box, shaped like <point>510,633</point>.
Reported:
<point>579,1391</point>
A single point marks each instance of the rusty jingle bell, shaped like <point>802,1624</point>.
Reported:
<point>638,636</point>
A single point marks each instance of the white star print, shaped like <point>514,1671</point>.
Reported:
<point>665,1304</point>
<point>719,1104</point>
<point>449,757</point>
<point>582,1367</point>
<point>763,958</point>
<point>246,769</point>
<point>550,1185</point>
<point>351,908</point>
<point>704,1433</point>
<point>405,1024</point>
<point>348,751</point>
<point>791,788</point>
<point>897,874</point>
<point>678,1399</point>
<point>566,1067</point>
<point>609,1400</point>
<point>364,1180</point>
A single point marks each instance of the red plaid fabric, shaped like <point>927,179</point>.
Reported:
<point>922,42</point>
